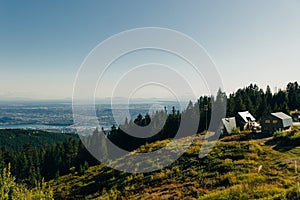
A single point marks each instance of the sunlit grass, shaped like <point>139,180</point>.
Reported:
<point>233,170</point>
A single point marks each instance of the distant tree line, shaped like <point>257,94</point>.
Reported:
<point>260,102</point>
<point>33,163</point>
<point>17,138</point>
<point>252,98</point>
<point>196,115</point>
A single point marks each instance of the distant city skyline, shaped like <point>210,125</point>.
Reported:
<point>43,44</point>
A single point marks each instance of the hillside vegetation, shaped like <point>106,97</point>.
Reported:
<point>36,155</point>
<point>10,189</point>
<point>241,166</point>
<point>15,139</point>
<point>238,168</point>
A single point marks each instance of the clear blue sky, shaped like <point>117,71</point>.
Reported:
<point>43,43</point>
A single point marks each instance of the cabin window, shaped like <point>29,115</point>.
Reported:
<point>267,121</point>
<point>275,121</point>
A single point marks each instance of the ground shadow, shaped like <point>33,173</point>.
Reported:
<point>281,145</point>
<point>255,136</point>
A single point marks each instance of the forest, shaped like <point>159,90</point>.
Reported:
<point>44,156</point>
<point>257,101</point>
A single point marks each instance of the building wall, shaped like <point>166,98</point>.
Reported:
<point>240,122</point>
<point>271,123</point>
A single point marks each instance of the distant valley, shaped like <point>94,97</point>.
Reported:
<point>57,116</point>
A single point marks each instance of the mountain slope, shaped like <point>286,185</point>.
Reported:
<point>15,139</point>
<point>235,169</point>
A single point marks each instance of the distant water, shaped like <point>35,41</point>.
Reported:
<point>29,126</point>
<point>57,117</point>
<point>50,128</point>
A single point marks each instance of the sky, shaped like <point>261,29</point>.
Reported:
<point>43,43</point>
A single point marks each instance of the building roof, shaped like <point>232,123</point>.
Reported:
<point>281,115</point>
<point>229,124</point>
<point>246,115</point>
<point>286,119</point>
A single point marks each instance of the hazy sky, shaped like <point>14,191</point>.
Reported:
<point>43,43</point>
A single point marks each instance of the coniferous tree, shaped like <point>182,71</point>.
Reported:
<point>293,90</point>
<point>239,104</point>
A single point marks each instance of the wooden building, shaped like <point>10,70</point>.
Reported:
<point>276,122</point>
<point>246,121</point>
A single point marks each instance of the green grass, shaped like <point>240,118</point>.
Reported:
<point>293,153</point>
<point>230,171</point>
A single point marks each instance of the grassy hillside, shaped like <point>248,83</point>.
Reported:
<point>238,168</point>
<point>15,139</point>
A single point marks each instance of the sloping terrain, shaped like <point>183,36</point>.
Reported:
<point>15,139</point>
<point>238,168</point>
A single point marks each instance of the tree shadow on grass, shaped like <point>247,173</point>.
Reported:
<point>254,136</point>
<point>282,144</point>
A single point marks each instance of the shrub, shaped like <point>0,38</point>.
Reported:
<point>279,134</point>
<point>236,131</point>
<point>9,189</point>
<point>293,193</point>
